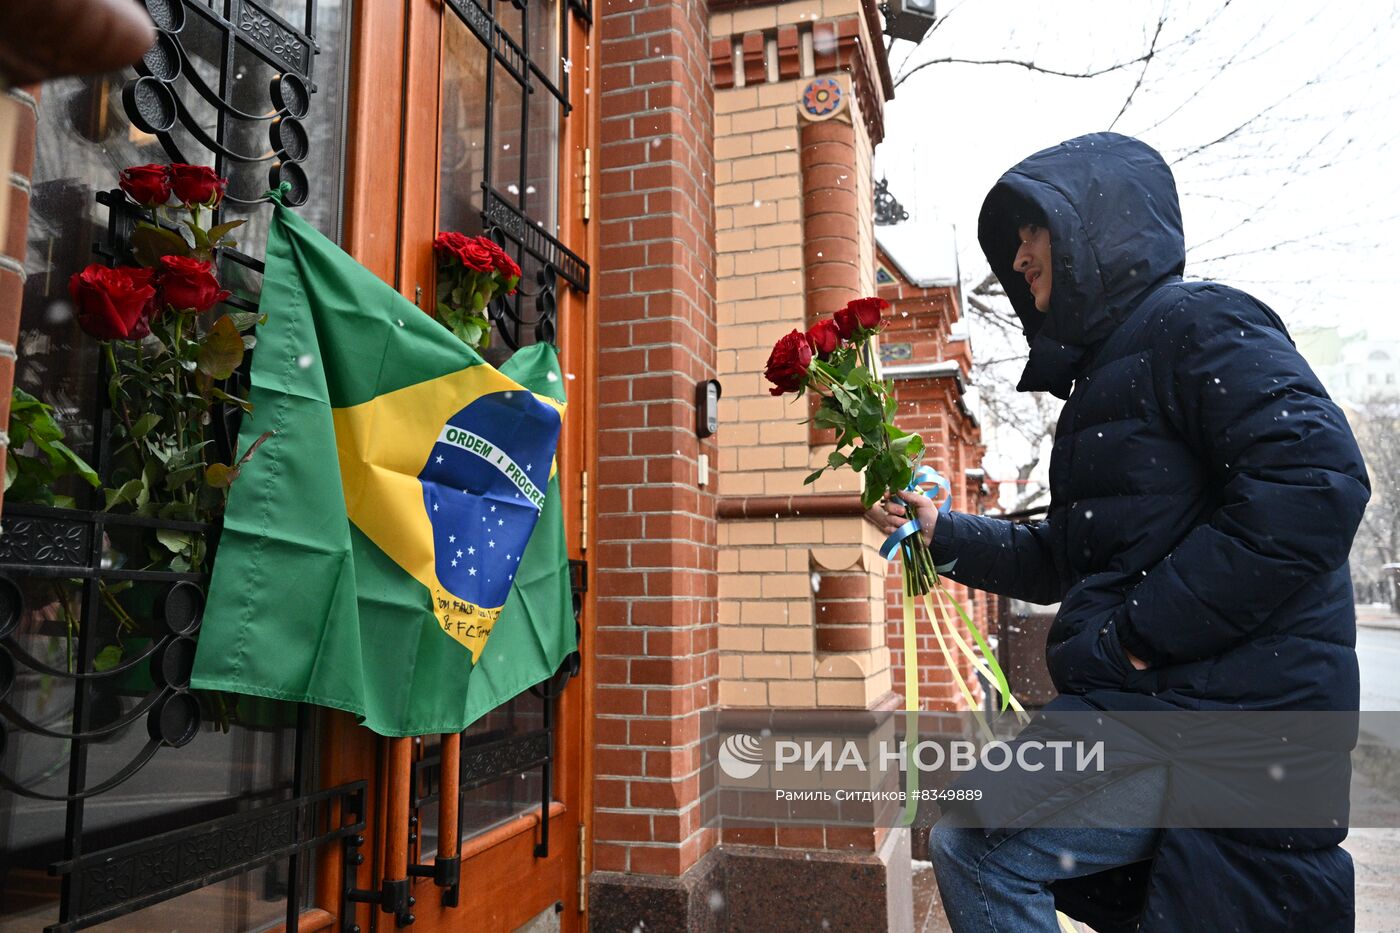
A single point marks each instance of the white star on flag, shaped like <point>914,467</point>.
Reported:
<point>493,508</point>
<point>435,508</point>
<point>471,550</point>
<point>454,563</point>
<point>500,521</point>
<point>492,543</point>
<point>459,553</point>
<point>451,539</point>
<point>471,571</point>
<point>439,459</point>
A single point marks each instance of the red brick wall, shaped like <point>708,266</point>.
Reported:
<point>656,639</point>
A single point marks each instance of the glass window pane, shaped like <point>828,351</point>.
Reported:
<point>505,135</point>
<point>462,153</point>
<point>542,162</point>
<point>544,38</point>
<point>508,15</point>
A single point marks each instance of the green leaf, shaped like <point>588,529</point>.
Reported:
<point>894,433</point>
<point>812,477</point>
<point>201,237</point>
<point>78,464</point>
<point>21,400</point>
<point>246,319</point>
<point>873,492</point>
<point>217,232</point>
<point>149,243</point>
<point>836,459</point>
<point>180,477</point>
<point>222,349</point>
<point>176,542</point>
<point>861,457</point>
<point>108,658</point>
<point>143,425</point>
<point>900,476</point>
<point>178,511</point>
<point>11,471</point>
<point>867,422</point>
<point>123,493</point>
<point>223,396</point>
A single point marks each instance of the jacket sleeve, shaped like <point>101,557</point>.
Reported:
<point>999,556</point>
<point>1290,482</point>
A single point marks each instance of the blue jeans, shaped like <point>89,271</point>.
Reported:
<point>1001,884</point>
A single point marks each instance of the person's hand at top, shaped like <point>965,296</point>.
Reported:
<point>889,515</point>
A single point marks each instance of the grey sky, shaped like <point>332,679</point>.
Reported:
<point>1316,177</point>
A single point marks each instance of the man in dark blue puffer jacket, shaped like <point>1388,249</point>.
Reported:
<point>1204,495</point>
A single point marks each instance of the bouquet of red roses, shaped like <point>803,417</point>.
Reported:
<point>471,271</point>
<point>168,358</point>
<point>835,360</point>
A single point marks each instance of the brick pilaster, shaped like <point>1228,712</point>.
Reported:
<point>18,116</point>
<point>656,637</point>
<point>831,246</point>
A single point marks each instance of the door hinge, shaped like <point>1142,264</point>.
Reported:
<point>582,868</point>
<point>587,184</point>
<point>583,516</point>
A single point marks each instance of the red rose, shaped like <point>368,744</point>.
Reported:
<point>197,184</point>
<point>862,313</point>
<point>476,255</point>
<point>449,245</point>
<point>503,264</point>
<point>787,364</point>
<point>824,337</point>
<point>147,185</point>
<point>112,304</point>
<point>188,284</point>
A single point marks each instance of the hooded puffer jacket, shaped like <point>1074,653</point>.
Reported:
<point>1204,495</point>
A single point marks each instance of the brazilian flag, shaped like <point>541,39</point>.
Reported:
<point>396,547</point>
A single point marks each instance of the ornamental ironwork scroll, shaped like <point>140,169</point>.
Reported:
<point>153,101</point>
<point>888,211</point>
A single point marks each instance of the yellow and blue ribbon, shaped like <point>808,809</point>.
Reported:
<point>923,475</point>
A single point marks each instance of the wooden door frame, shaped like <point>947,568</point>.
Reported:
<point>391,208</point>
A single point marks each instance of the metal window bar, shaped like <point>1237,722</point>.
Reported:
<point>500,219</point>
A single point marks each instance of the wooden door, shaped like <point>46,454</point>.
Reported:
<point>472,116</point>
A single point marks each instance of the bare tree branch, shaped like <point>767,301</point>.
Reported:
<point>1146,63</point>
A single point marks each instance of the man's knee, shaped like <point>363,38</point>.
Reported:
<point>950,845</point>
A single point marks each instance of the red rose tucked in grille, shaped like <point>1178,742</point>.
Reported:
<point>113,304</point>
<point>188,284</point>
<point>147,185</point>
<point>197,184</point>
